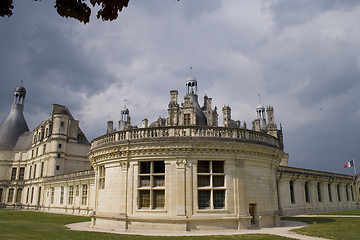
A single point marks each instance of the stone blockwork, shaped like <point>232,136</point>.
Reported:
<point>308,191</point>
<point>242,173</point>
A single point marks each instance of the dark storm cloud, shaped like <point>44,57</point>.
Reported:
<point>301,56</point>
<point>50,56</point>
<point>58,58</point>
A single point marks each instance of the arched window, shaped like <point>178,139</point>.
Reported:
<point>306,189</point>
<point>318,186</point>
<point>329,190</point>
<point>292,193</point>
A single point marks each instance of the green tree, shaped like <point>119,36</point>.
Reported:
<point>77,9</point>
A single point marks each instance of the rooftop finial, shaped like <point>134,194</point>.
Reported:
<point>259,98</point>
<point>21,82</point>
<point>191,71</point>
<point>125,104</point>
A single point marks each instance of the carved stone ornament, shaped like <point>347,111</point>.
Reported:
<point>181,163</point>
<point>124,166</point>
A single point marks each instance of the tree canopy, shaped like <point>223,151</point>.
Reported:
<point>77,9</point>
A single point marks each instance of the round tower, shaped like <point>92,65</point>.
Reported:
<point>14,125</point>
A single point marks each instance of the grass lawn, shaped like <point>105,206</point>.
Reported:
<point>38,225</point>
<point>329,227</point>
<point>352,212</point>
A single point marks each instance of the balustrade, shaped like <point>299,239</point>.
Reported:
<point>185,131</point>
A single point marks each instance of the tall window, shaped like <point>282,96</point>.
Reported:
<point>187,119</point>
<point>32,195</point>
<point>292,193</point>
<point>10,195</point>
<point>27,195</point>
<point>34,171</point>
<point>13,173</point>
<point>338,192</point>
<point>22,173</point>
<point>30,172</point>
<point>151,184</point>
<point>52,195</point>
<point>71,194</point>
<point>347,193</point>
<point>329,191</point>
<point>62,195</point>
<point>18,195</point>
<point>352,193</point>
<point>84,194</point>
<point>101,177</point>
<point>318,186</point>
<point>42,169</point>
<point>1,191</point>
<point>306,189</point>
<point>77,190</point>
<point>211,184</point>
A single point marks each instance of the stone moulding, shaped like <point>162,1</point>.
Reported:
<point>222,133</point>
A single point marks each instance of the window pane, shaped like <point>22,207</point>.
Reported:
<point>144,199</point>
<point>203,181</point>
<point>203,199</point>
<point>218,167</point>
<point>218,181</point>
<point>203,166</point>
<point>159,167</point>
<point>219,199</point>
<point>144,167</point>
<point>159,199</point>
<point>159,181</point>
<point>145,181</point>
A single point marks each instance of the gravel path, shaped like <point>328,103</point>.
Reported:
<point>283,230</point>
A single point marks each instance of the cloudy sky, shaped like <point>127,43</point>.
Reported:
<point>302,57</point>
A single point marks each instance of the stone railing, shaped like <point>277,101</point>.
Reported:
<point>186,131</point>
<point>75,175</point>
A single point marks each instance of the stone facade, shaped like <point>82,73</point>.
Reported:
<point>182,172</point>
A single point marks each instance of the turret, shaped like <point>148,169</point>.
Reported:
<point>191,86</point>
<point>226,116</point>
<point>125,121</point>
<point>110,127</point>
<point>14,125</point>
<point>271,126</point>
<point>173,109</point>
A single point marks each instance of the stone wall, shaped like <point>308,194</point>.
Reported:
<point>325,192</point>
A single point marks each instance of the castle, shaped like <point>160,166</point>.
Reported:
<point>181,173</point>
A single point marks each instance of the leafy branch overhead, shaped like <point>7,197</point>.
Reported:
<point>77,9</point>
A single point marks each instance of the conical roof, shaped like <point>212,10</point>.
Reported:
<point>14,125</point>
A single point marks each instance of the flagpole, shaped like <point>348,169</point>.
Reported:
<point>354,166</point>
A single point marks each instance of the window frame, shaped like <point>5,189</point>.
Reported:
<point>84,194</point>
<point>102,174</point>
<point>292,192</point>
<point>211,192</point>
<point>151,185</point>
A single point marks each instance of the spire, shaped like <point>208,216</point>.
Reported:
<point>14,125</point>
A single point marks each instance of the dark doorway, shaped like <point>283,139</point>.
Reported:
<point>253,213</point>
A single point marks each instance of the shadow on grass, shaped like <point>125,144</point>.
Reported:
<point>310,220</point>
